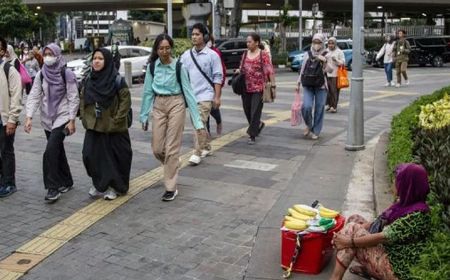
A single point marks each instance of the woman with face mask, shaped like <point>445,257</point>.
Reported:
<point>104,107</point>
<point>313,79</point>
<point>387,52</point>
<point>57,96</point>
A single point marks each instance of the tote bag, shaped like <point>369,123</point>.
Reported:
<point>342,78</point>
<point>296,118</point>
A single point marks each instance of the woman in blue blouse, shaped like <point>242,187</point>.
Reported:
<point>163,94</point>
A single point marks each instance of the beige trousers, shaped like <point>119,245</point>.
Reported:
<point>202,141</point>
<point>169,113</point>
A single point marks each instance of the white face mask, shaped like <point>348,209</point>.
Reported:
<point>49,60</point>
<point>317,47</point>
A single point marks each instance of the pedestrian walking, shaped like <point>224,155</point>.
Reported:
<point>104,110</point>
<point>335,59</point>
<point>401,57</point>
<point>312,79</point>
<point>55,92</point>
<point>215,112</point>
<point>167,91</point>
<point>257,66</point>
<point>387,52</point>
<point>205,72</point>
<point>10,108</point>
<point>12,58</point>
<point>32,66</point>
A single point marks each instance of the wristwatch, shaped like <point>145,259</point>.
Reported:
<point>273,86</point>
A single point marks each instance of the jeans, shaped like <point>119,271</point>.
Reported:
<point>7,158</point>
<point>314,97</point>
<point>55,166</point>
<point>388,70</point>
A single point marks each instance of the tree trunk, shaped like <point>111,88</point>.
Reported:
<point>235,19</point>
<point>283,37</point>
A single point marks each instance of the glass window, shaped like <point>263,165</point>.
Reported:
<point>227,46</point>
<point>144,53</point>
<point>135,52</point>
<point>342,45</point>
<point>242,45</point>
<point>124,53</point>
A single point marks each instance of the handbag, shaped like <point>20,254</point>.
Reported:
<point>377,225</point>
<point>268,95</point>
<point>25,77</point>
<point>238,83</point>
<point>342,77</point>
<point>296,118</point>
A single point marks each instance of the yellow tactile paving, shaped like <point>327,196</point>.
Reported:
<point>41,246</point>
<point>9,275</point>
<point>54,238</point>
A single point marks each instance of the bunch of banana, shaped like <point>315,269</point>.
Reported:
<point>327,213</point>
<point>298,215</point>
<point>305,210</point>
<point>295,224</point>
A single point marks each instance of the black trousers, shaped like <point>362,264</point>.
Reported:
<point>8,158</point>
<point>253,105</point>
<point>55,166</point>
<point>215,113</point>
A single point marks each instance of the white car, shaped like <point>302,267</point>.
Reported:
<point>138,56</point>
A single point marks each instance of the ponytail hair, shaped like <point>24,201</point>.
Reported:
<point>255,36</point>
<point>161,37</point>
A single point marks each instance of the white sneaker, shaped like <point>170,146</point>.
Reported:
<point>407,82</point>
<point>206,153</point>
<point>195,160</point>
<point>313,136</point>
<point>397,85</point>
<point>110,194</point>
<point>94,193</point>
<point>388,84</point>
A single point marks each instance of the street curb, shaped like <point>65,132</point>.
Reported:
<point>382,191</point>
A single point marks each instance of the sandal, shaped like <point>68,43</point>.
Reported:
<point>359,270</point>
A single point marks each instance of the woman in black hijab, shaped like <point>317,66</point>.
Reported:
<point>104,107</point>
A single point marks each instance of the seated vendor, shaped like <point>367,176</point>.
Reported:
<point>386,248</point>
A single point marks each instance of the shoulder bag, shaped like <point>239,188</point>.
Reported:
<point>238,80</point>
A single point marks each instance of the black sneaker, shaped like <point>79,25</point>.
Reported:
<point>169,196</point>
<point>64,189</point>
<point>6,191</point>
<point>251,141</point>
<point>52,195</point>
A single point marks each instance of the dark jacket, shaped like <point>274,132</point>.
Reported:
<point>401,52</point>
<point>113,119</point>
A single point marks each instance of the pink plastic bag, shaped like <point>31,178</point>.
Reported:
<point>296,118</point>
<point>25,77</point>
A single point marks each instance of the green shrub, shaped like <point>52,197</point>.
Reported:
<point>279,59</point>
<point>400,148</point>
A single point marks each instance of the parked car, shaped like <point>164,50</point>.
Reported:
<point>137,55</point>
<point>344,45</point>
<point>433,50</point>
<point>232,50</point>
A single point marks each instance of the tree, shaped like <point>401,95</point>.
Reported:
<point>285,20</point>
<point>235,19</point>
<point>15,19</point>
<point>157,16</point>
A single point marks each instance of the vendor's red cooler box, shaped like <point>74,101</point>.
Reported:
<point>316,249</point>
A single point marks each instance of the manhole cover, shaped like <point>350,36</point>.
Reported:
<point>24,261</point>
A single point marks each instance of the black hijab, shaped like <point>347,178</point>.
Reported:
<point>100,86</point>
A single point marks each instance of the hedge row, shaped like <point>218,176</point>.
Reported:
<point>411,143</point>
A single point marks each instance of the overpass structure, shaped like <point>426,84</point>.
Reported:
<point>415,6</point>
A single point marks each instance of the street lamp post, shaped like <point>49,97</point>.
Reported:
<point>169,18</point>
<point>300,25</point>
<point>355,132</point>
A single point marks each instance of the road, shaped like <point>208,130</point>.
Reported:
<point>225,222</point>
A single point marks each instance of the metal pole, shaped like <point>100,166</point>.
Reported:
<point>128,73</point>
<point>169,18</point>
<point>300,25</point>
<point>355,132</point>
<point>98,25</point>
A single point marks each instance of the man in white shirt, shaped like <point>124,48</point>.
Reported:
<point>205,72</point>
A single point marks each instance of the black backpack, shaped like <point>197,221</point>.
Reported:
<point>313,74</point>
<point>177,73</point>
<point>7,66</point>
